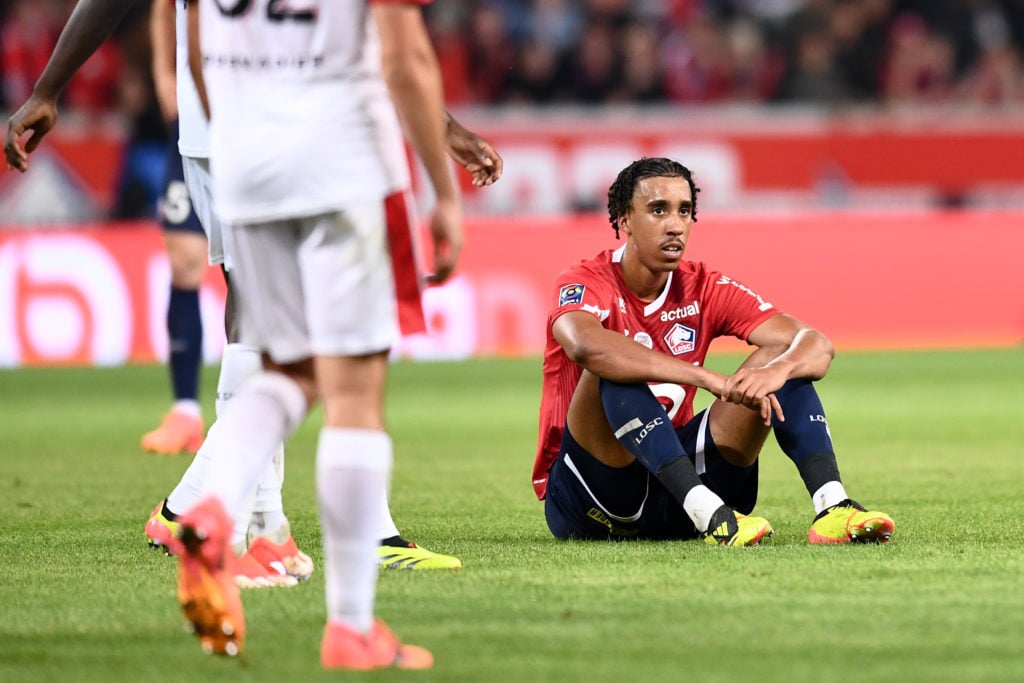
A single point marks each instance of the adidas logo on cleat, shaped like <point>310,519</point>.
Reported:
<point>729,527</point>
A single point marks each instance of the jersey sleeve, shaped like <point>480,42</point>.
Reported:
<point>581,289</point>
<point>736,308</point>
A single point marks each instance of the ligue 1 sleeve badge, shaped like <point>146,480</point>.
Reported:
<point>570,294</point>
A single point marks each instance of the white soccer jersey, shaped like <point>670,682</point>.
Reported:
<point>193,136</point>
<point>302,122</point>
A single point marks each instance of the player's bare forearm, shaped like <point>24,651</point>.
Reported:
<point>618,358</point>
<point>162,36</point>
<point>91,23</point>
<point>411,71</point>
<point>414,81</point>
<point>810,355</point>
<point>805,352</point>
<point>195,56</point>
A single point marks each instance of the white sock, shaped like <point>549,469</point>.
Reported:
<point>268,511</point>
<point>831,493</point>
<point>262,414</point>
<point>188,406</point>
<point>385,523</point>
<point>700,504</point>
<point>190,488</point>
<point>241,518</point>
<point>353,467</point>
<point>238,363</point>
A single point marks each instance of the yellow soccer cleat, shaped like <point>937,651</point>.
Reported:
<point>849,522</point>
<point>729,527</point>
<point>397,553</point>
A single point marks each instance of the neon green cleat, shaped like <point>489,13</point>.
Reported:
<point>398,553</point>
<point>160,529</point>
<point>729,527</point>
<point>849,522</point>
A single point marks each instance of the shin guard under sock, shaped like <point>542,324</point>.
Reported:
<point>643,427</point>
<point>804,436</point>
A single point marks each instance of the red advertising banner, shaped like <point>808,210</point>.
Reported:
<point>96,295</point>
<point>912,279</point>
<point>564,161</point>
<point>758,161</point>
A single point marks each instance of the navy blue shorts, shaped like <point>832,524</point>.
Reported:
<point>587,499</point>
<point>174,208</point>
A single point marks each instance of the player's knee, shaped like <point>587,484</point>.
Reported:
<point>740,457</point>
<point>286,390</point>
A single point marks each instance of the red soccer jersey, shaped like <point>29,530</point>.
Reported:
<point>696,306</point>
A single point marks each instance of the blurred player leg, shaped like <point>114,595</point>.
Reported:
<point>181,430</point>
<point>207,593</point>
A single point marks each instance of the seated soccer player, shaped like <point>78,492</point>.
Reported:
<point>621,454</point>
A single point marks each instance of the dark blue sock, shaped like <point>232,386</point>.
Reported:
<point>185,329</point>
<point>804,436</point>
<point>642,426</point>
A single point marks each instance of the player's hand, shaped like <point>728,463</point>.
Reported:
<point>446,231</point>
<point>474,154</point>
<point>755,388</point>
<point>38,115</point>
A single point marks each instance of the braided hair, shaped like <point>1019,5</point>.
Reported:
<point>620,194</point>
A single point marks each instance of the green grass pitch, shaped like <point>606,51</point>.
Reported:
<point>934,438</point>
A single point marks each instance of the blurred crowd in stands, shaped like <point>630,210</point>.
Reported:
<point>590,52</point>
<point>115,82</point>
<point>712,51</point>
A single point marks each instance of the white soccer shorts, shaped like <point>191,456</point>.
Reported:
<point>200,191</point>
<point>316,286</point>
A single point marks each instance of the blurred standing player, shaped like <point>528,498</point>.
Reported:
<point>265,526</point>
<point>620,453</point>
<point>337,210</point>
<point>261,535</point>
<point>182,428</point>
<point>266,529</point>
<point>310,181</point>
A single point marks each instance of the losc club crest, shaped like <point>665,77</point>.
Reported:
<point>680,339</point>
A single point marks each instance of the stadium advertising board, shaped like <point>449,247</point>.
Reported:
<point>564,161</point>
<point>98,294</point>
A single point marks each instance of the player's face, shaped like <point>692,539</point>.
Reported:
<point>659,221</point>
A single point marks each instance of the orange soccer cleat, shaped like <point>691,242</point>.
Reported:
<point>344,648</point>
<point>249,573</point>
<point>207,591</point>
<point>283,558</point>
<point>179,432</point>
<point>159,529</point>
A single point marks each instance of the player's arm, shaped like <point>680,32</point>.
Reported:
<point>803,352</point>
<point>195,55</point>
<point>414,80</point>
<point>162,37</point>
<point>91,22</point>
<point>618,358</point>
<point>473,153</point>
